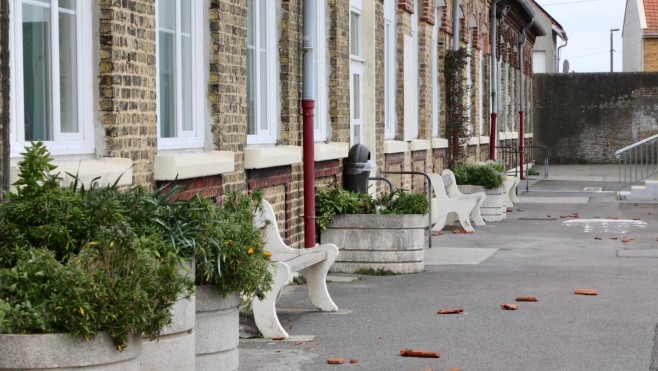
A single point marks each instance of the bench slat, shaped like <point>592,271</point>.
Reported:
<point>298,261</point>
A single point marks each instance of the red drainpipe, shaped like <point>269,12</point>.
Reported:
<point>308,106</point>
<point>492,136</point>
<point>521,143</point>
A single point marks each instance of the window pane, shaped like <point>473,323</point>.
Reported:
<point>262,62</point>
<point>251,70</point>
<point>356,133</point>
<point>67,4</point>
<point>186,65</point>
<point>355,33</point>
<point>68,72</point>
<point>36,73</point>
<point>167,58</point>
<point>167,14</point>
<point>356,96</point>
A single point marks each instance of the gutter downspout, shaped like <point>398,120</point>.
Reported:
<point>566,41</point>
<point>494,83</point>
<point>308,126</point>
<point>522,40</point>
<point>6,181</point>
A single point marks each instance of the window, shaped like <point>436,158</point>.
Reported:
<point>181,80</point>
<point>262,61</point>
<point>321,76</point>
<point>356,73</point>
<point>390,68</point>
<point>51,75</point>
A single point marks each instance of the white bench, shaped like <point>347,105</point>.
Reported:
<point>443,204</point>
<point>453,191</point>
<point>312,263</point>
<point>510,183</point>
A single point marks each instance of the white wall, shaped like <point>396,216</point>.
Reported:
<point>634,22</point>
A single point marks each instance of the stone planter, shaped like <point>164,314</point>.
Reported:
<point>217,330</point>
<point>393,242</point>
<point>63,352</point>
<point>174,350</point>
<point>494,207</point>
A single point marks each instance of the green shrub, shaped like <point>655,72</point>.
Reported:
<point>333,201</point>
<point>487,175</point>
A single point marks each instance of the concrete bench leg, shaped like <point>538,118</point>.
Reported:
<point>316,279</point>
<point>475,214</point>
<point>265,310</point>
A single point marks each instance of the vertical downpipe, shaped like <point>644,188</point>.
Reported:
<point>308,105</point>
<point>494,83</point>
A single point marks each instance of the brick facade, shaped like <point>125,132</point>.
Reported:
<point>127,106</point>
<point>127,83</point>
<point>650,57</point>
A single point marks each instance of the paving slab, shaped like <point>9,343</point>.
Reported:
<point>457,255</point>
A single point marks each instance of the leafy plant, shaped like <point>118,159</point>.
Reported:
<point>532,171</point>
<point>457,108</point>
<point>487,175</point>
<point>333,201</point>
<point>375,272</point>
<point>229,250</point>
<point>84,260</point>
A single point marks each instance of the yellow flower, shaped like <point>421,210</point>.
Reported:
<point>267,254</point>
<point>250,251</point>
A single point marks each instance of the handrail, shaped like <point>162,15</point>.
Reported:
<point>618,153</point>
<point>429,198</point>
<point>637,161</point>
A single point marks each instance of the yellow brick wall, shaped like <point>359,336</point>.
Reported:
<point>650,51</point>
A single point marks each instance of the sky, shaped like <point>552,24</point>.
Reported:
<point>587,24</point>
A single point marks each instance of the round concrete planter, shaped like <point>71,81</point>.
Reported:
<point>392,242</point>
<point>217,330</point>
<point>63,352</point>
<point>174,350</point>
<point>494,207</point>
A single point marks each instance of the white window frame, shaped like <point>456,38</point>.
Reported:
<point>62,143</point>
<point>357,67</point>
<point>321,73</point>
<point>267,135</point>
<point>390,68</point>
<point>186,138</point>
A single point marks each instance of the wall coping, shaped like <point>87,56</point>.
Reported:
<point>193,165</point>
<point>266,157</point>
<point>395,146</point>
<point>331,151</point>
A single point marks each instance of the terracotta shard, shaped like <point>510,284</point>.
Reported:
<point>591,292</point>
<point>354,360</point>
<point>509,306</point>
<point>528,299</point>
<point>450,311</point>
<point>279,338</point>
<point>335,361</point>
<point>419,353</point>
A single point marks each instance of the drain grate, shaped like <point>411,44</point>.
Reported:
<point>605,225</point>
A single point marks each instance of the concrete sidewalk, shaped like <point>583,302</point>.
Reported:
<point>540,250</point>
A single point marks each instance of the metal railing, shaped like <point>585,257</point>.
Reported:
<point>637,162</point>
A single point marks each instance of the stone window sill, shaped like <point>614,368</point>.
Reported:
<point>331,151</point>
<point>439,143</point>
<point>395,146</point>
<point>193,165</point>
<point>419,145</point>
<point>266,157</point>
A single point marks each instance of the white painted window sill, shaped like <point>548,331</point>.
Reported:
<point>105,170</point>
<point>478,140</point>
<point>330,151</point>
<point>266,157</point>
<point>395,146</point>
<point>509,135</point>
<point>419,145</point>
<point>193,165</point>
<point>439,143</point>
<point>528,135</point>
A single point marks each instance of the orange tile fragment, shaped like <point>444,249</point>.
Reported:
<point>598,238</point>
<point>298,343</point>
<point>419,353</point>
<point>279,338</point>
<point>509,306</point>
<point>528,299</point>
<point>450,311</point>
<point>354,360</point>
<point>585,292</point>
<point>335,361</point>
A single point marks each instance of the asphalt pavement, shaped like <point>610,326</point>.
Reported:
<point>568,232</point>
